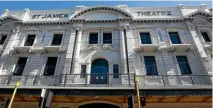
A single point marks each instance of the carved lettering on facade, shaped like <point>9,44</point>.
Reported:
<point>50,16</point>
<point>155,13</point>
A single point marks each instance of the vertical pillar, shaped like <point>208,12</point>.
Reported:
<point>69,54</point>
<point>88,73</point>
<point>194,32</point>
<point>77,66</point>
<point>122,52</point>
<point>7,61</point>
<point>195,37</point>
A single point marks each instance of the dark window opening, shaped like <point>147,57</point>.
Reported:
<point>205,37</point>
<point>50,66</point>
<point>30,40</point>
<point>3,38</point>
<point>83,71</point>
<point>174,38</point>
<point>183,64</point>
<point>93,38</point>
<point>115,71</point>
<point>145,38</point>
<point>20,66</point>
<point>151,68</point>
<point>107,38</point>
<point>57,39</point>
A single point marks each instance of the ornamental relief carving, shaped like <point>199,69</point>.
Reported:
<point>123,60</point>
<point>99,46</point>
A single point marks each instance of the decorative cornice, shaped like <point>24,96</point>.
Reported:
<point>74,21</point>
<point>158,21</point>
<point>45,23</point>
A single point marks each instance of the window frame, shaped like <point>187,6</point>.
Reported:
<point>4,40</point>
<point>178,66</point>
<point>149,36</point>
<point>181,42</point>
<point>83,75</point>
<point>18,58</point>
<point>156,63</point>
<point>57,33</point>
<point>103,37</point>
<point>56,66</point>
<point>207,32</point>
<point>33,40</point>
<point>97,38</point>
<point>116,75</point>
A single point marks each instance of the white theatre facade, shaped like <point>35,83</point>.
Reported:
<point>89,56</point>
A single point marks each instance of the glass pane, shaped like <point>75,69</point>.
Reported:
<point>205,37</point>
<point>83,71</point>
<point>30,40</point>
<point>107,38</point>
<point>3,38</point>
<point>183,64</point>
<point>151,68</point>
<point>93,38</point>
<point>115,71</point>
<point>174,38</point>
<point>50,66</point>
<point>57,39</point>
<point>145,38</point>
<point>20,66</point>
<point>49,70</point>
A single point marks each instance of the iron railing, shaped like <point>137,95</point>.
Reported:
<point>107,80</point>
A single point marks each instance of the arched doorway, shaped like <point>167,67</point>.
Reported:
<point>98,105</point>
<point>99,72</point>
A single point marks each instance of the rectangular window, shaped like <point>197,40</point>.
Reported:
<point>115,71</point>
<point>183,64</point>
<point>3,38</point>
<point>151,68</point>
<point>83,71</point>
<point>57,39</point>
<point>50,66</point>
<point>20,66</point>
<point>145,38</point>
<point>174,38</point>
<point>93,38</point>
<point>205,37</point>
<point>30,40</point>
<point>107,38</point>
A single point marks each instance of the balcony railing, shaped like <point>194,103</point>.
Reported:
<point>107,80</point>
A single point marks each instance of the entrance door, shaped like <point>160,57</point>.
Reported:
<point>98,105</point>
<point>99,71</point>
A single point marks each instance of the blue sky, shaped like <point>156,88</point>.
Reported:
<point>43,5</point>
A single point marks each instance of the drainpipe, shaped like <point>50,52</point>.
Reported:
<point>126,50</point>
<point>73,52</point>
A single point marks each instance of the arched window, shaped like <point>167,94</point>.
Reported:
<point>99,71</point>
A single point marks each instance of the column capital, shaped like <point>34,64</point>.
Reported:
<point>77,28</point>
<point>124,27</point>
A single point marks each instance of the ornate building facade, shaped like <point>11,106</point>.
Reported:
<point>89,56</point>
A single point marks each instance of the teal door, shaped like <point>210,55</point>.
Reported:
<point>99,71</point>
